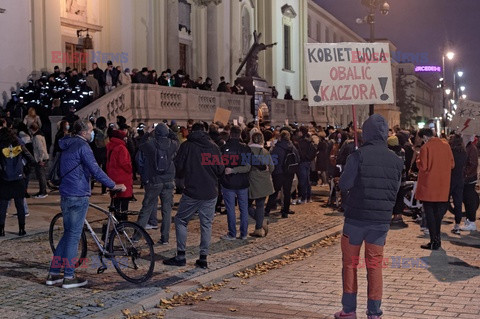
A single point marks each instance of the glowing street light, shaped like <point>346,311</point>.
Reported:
<point>464,96</point>
<point>448,91</point>
<point>450,55</point>
<point>460,74</point>
<point>462,88</point>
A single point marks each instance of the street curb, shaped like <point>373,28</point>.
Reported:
<point>217,275</point>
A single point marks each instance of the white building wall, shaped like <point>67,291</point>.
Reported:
<point>16,50</point>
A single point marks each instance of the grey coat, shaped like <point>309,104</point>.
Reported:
<point>261,184</point>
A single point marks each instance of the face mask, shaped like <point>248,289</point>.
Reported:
<point>68,127</point>
<point>92,136</point>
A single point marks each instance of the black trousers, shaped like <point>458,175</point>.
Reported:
<point>456,191</point>
<point>280,181</point>
<point>434,212</point>
<point>471,201</point>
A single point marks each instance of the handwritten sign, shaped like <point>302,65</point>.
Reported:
<point>222,115</point>
<point>348,73</point>
<point>467,118</point>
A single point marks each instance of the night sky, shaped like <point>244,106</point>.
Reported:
<point>425,26</point>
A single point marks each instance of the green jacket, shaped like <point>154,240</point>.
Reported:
<point>261,184</point>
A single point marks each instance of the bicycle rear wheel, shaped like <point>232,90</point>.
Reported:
<point>55,233</point>
<point>132,252</point>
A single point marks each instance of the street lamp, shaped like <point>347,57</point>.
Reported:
<point>464,96</point>
<point>460,74</point>
<point>449,56</point>
<point>448,91</point>
<point>373,6</point>
<point>462,88</point>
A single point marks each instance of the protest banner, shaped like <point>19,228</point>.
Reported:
<point>348,74</point>
<point>222,115</point>
<point>466,120</point>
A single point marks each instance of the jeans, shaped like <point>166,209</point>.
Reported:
<point>186,209</point>
<point>258,213</point>
<point>148,213</point>
<point>280,181</point>
<point>74,210</point>
<point>352,239</point>
<point>229,199</point>
<point>434,212</point>
<point>20,205</point>
<point>304,186</point>
<point>42,177</point>
<point>456,191</point>
<point>471,201</point>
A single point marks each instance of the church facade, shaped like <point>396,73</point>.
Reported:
<point>206,38</point>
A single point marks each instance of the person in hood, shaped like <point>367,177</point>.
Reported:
<point>77,165</point>
<point>157,171</point>
<point>470,196</point>
<point>281,176</point>
<point>371,180</point>
<point>435,163</point>
<point>119,169</point>
<point>200,193</point>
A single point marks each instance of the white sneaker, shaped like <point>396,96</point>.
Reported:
<point>456,229</point>
<point>151,227</point>
<point>294,202</point>
<point>469,226</point>
<point>425,230</point>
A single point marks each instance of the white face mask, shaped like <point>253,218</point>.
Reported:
<point>92,136</point>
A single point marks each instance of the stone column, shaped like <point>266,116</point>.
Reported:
<point>212,43</point>
<point>173,58</point>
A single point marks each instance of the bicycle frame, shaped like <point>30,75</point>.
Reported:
<point>412,203</point>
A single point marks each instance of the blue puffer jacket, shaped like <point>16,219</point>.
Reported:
<point>78,161</point>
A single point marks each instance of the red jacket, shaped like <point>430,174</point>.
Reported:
<point>119,165</point>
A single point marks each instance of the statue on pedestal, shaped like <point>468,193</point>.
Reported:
<point>251,59</point>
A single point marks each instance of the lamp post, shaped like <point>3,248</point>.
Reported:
<point>449,56</point>
<point>372,6</point>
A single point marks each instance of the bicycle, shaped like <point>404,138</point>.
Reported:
<point>127,245</point>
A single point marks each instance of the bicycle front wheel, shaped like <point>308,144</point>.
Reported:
<point>55,233</point>
<point>131,250</point>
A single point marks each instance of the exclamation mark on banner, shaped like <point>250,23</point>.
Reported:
<point>383,84</point>
<point>316,86</point>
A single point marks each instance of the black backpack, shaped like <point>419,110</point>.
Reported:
<point>55,177</point>
<point>12,163</point>
<point>162,162</point>
<point>290,162</point>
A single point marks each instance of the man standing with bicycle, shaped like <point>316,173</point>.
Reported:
<point>77,165</point>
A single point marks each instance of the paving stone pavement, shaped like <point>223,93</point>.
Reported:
<point>430,285</point>
<point>24,261</point>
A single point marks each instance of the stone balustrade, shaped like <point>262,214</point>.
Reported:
<point>150,103</point>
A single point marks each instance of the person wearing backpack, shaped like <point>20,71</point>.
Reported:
<point>282,175</point>
<point>307,151</point>
<point>155,164</point>
<point>235,182</point>
<point>119,169</point>
<point>13,158</point>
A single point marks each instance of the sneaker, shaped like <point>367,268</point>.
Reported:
<point>74,282</point>
<point>40,196</point>
<point>243,237</point>
<point>294,202</point>
<point>151,227</point>
<point>227,237</point>
<point>174,261</point>
<point>374,317</point>
<point>161,242</point>
<point>310,200</point>
<point>27,214</point>
<point>53,279</point>
<point>469,226</point>
<point>425,230</point>
<point>456,229</point>
<point>201,263</point>
<point>344,315</point>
